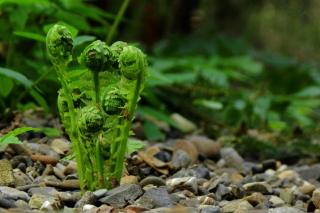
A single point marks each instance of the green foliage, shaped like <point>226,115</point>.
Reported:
<point>97,104</point>
<point>11,137</point>
<point>261,90</point>
<point>25,24</point>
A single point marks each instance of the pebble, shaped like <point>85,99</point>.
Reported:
<point>159,196</point>
<point>209,209</point>
<point>71,168</point>
<point>189,183</point>
<point>262,187</point>
<point>46,159</point>
<point>153,180</point>
<point>14,194</point>
<point>232,158</point>
<point>100,193</point>
<point>87,198</point>
<point>255,199</point>
<point>187,147</point>
<point>51,191</point>
<point>20,178</point>
<point>6,173</point>
<point>6,202</point>
<point>234,205</point>
<point>309,172</point>
<point>307,188</point>
<point>288,174</point>
<point>129,179</point>
<point>180,159</point>
<point>205,146</point>
<point>285,210</point>
<point>287,195</point>
<point>38,200</point>
<point>316,198</point>
<point>119,196</point>
<point>223,192</point>
<point>66,184</point>
<point>276,201</point>
<point>60,146</point>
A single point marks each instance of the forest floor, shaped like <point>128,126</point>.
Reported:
<point>191,174</point>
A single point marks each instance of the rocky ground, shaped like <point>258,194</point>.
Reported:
<point>193,174</point>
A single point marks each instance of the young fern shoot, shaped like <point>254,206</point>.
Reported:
<point>97,106</point>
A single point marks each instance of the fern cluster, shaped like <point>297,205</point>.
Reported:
<point>97,103</point>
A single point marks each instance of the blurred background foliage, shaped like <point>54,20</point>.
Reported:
<point>239,64</point>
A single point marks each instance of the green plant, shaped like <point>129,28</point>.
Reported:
<point>97,107</point>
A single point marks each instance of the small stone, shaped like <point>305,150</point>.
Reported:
<point>37,201</point>
<point>288,174</point>
<point>13,194</point>
<point>307,188</point>
<point>135,209</point>
<point>20,178</point>
<point>285,210</point>
<point>189,183</point>
<point>232,158</point>
<point>236,178</point>
<point>153,180</point>
<point>189,148</point>
<point>89,208</point>
<point>6,173</point>
<point>51,191</point>
<point>159,196</point>
<point>309,172</point>
<point>269,164</point>
<point>287,195</point>
<point>262,187</point>
<point>205,146</point>
<point>163,156</point>
<point>119,196</point>
<point>130,179</point>
<point>255,199</point>
<point>234,205</point>
<point>202,172</point>
<point>180,159</point>
<point>60,146</point>
<point>6,203</point>
<point>209,209</point>
<point>87,198</point>
<point>100,193</point>
<point>71,168</point>
<point>316,198</point>
<point>276,201</point>
<point>21,204</point>
<point>145,202</point>
<point>223,192</point>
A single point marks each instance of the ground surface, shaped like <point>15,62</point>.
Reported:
<point>190,174</point>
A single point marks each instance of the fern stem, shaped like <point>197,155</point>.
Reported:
<point>73,132</point>
<point>126,129</point>
<point>96,84</point>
